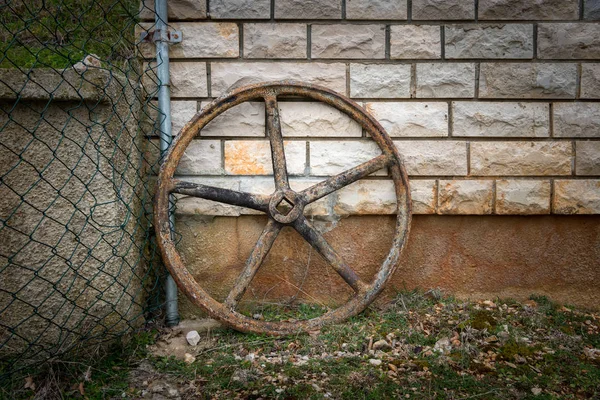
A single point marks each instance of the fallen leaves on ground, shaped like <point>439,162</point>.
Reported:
<point>419,346</point>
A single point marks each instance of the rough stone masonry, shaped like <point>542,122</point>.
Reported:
<point>494,105</point>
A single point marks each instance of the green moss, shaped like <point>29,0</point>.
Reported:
<point>512,349</point>
<point>481,319</point>
<point>59,33</point>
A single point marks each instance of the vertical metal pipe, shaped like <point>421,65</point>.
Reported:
<point>164,106</point>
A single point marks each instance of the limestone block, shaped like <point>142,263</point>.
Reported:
<point>522,80</point>
<point>240,9</point>
<point>308,9</point>
<point>375,9</point>
<point>415,41</point>
<point>182,112</point>
<point>445,80</point>
<point>590,81</point>
<point>380,81</point>
<point>366,197</point>
<point>271,40</point>
<point>520,158</point>
<point>423,193</point>
<point>190,205</point>
<point>253,157</point>
<point>443,9</point>
<point>569,41</point>
<point>308,119</point>
<point>577,196</point>
<point>188,79</point>
<point>202,157</point>
<point>592,9</point>
<point>200,40</point>
<point>470,197</point>
<point>587,158</point>
<point>522,197</point>
<point>528,10</point>
<point>333,157</point>
<point>379,197</point>
<point>576,119</point>
<point>178,10</point>
<point>411,119</point>
<point>489,41</point>
<point>226,76</point>
<point>348,41</point>
<point>490,119</point>
<point>433,157</point>
<point>246,119</point>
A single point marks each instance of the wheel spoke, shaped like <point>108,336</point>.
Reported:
<point>314,237</point>
<point>274,134</point>
<point>227,196</point>
<point>260,251</point>
<point>337,182</point>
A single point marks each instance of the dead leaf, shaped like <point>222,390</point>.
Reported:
<point>81,390</point>
<point>29,384</point>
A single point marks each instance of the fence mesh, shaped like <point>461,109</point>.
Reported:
<point>78,264</point>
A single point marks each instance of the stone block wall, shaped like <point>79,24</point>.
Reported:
<point>494,104</point>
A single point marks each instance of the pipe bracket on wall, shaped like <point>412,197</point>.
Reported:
<point>161,35</point>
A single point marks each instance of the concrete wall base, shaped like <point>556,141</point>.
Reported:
<point>466,256</point>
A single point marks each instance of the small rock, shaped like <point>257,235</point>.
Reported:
<point>375,362</point>
<point>91,60</point>
<point>381,345</point>
<point>250,357</point>
<point>442,346</point>
<point>188,358</point>
<point>536,390</point>
<point>258,317</point>
<point>489,303</point>
<point>594,354</point>
<point>193,338</point>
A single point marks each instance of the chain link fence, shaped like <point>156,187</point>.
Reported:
<point>78,264</point>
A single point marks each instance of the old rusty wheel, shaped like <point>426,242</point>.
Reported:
<point>364,292</point>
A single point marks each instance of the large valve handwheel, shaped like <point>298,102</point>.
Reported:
<point>364,291</point>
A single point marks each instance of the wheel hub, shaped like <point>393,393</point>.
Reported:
<point>286,206</point>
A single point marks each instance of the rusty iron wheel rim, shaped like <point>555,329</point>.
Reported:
<point>364,292</point>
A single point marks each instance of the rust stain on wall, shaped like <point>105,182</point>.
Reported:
<point>467,256</point>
